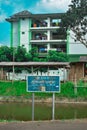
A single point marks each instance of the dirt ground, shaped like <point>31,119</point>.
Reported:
<point>45,125</point>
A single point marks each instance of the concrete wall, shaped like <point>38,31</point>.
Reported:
<point>24,32</point>
<point>76,47</point>
<point>15,34</point>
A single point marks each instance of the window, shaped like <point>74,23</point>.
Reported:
<point>23,18</point>
<point>23,32</point>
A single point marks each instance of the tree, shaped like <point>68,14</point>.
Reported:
<point>5,53</point>
<point>76,20</point>
<point>57,57</point>
<point>20,54</point>
<point>34,54</point>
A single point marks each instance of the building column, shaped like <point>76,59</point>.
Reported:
<point>48,47</point>
<point>30,34</point>
<point>48,19</point>
<point>68,38</point>
<point>48,32</point>
<point>11,36</point>
<point>19,40</point>
<point>48,35</point>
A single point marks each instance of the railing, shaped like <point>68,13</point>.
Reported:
<point>48,41</point>
<point>45,24</point>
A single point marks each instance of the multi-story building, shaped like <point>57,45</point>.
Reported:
<point>37,30</point>
<point>43,31</point>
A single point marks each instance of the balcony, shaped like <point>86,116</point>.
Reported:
<point>44,28</point>
<point>48,41</point>
<point>50,36</point>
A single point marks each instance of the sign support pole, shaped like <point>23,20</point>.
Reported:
<point>32,106</point>
<point>32,70</point>
<point>53,106</point>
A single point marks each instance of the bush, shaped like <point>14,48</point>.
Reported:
<point>67,89</point>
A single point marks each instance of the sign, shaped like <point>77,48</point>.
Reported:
<point>43,84</point>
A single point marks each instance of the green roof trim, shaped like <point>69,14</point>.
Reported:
<point>75,58</point>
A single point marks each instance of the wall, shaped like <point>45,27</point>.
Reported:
<point>76,47</point>
<point>2,74</point>
<point>15,34</point>
<point>22,76</point>
<point>76,71</point>
<point>24,32</point>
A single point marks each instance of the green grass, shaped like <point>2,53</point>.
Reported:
<point>12,89</point>
<point>18,88</point>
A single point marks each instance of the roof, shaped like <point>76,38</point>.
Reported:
<point>78,58</point>
<point>83,59</point>
<point>18,15</point>
<point>27,14</point>
<point>59,64</point>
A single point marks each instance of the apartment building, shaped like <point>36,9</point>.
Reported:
<point>43,31</point>
<point>38,30</point>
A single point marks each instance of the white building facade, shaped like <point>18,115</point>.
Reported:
<point>37,30</point>
<point>44,32</point>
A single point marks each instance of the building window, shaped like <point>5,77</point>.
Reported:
<point>23,18</point>
<point>23,32</point>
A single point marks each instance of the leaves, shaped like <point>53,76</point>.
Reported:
<point>57,57</point>
<point>5,53</point>
<point>76,20</point>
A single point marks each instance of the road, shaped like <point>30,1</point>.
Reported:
<point>45,125</point>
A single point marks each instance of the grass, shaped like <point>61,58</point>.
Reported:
<point>18,88</point>
<point>23,111</point>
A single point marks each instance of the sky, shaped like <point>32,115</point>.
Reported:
<point>10,7</point>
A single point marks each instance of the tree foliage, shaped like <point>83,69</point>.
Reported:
<point>5,53</point>
<point>34,54</point>
<point>57,57</point>
<point>76,20</point>
<point>21,54</point>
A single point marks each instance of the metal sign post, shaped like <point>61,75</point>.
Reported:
<point>32,106</point>
<point>49,84</point>
<point>53,107</point>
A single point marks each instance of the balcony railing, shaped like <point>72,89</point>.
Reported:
<point>45,28</point>
<point>48,41</point>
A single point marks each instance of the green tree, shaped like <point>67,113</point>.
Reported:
<point>57,57</point>
<point>76,20</point>
<point>5,53</point>
<point>34,54</point>
<point>20,54</point>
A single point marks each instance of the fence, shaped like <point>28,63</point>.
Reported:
<point>81,84</point>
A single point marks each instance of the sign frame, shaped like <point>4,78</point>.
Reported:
<point>57,90</point>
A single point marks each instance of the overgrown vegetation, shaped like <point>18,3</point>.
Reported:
<point>76,20</point>
<point>18,88</point>
<point>20,54</point>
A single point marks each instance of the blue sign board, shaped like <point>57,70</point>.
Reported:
<point>43,84</point>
